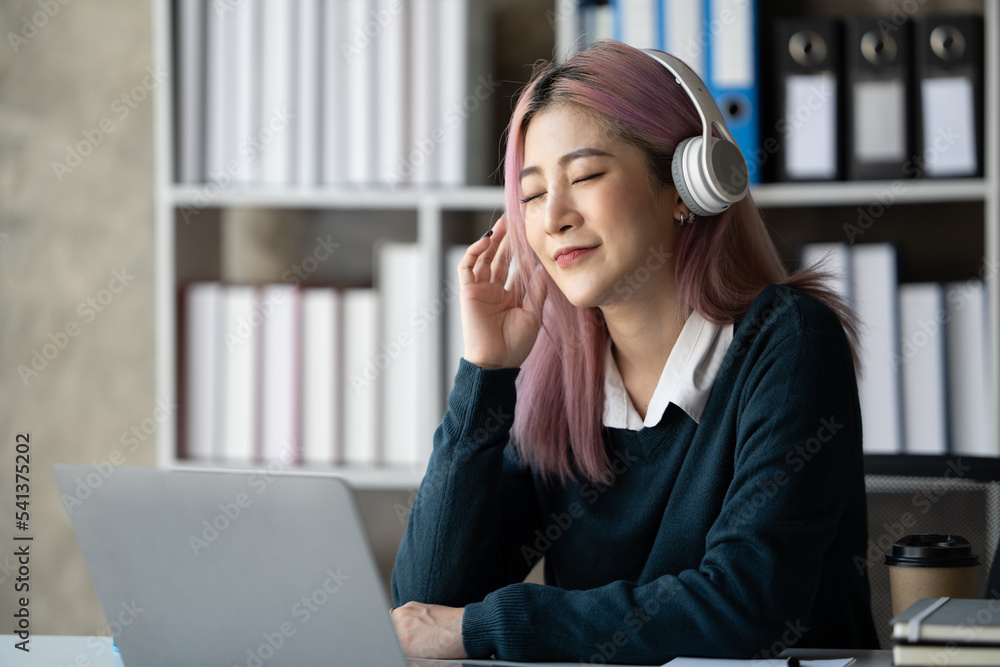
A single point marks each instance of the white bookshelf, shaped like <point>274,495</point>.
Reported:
<point>856,193</point>
<point>174,239</point>
<point>474,198</point>
<point>430,207</point>
<point>911,193</point>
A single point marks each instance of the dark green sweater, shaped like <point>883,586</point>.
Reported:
<point>734,537</point>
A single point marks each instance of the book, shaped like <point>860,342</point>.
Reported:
<point>964,621</point>
<point>392,78</point>
<point>308,57</point>
<point>279,377</point>
<point>968,361</point>
<point>241,357</point>
<point>452,76</point>
<point>921,363</point>
<point>681,32</point>
<point>190,46</point>
<point>455,343</point>
<point>635,23</point>
<point>596,23</point>
<point>334,106</point>
<point>398,357</point>
<point>359,55</point>
<point>931,655</point>
<point>833,259</point>
<point>419,165</point>
<point>220,95</point>
<point>247,120</point>
<point>202,345</point>
<point>277,93</point>
<point>569,19</point>
<point>876,303</point>
<point>360,380</point>
<point>321,343</point>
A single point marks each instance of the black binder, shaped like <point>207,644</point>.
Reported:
<point>878,128</point>
<point>805,99</point>
<point>948,88</point>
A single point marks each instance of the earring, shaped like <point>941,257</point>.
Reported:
<point>686,220</point>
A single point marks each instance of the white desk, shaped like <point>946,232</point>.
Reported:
<point>864,658</point>
<point>69,651</point>
<point>59,651</point>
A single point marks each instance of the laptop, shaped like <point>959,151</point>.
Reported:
<point>230,568</point>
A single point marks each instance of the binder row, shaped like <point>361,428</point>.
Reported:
<point>716,38</point>
<point>314,375</point>
<point>855,99</point>
<point>321,92</point>
<point>924,384</point>
<point>900,98</point>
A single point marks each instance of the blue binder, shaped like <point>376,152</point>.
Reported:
<point>732,76</point>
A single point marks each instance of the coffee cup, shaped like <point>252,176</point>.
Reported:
<point>930,566</point>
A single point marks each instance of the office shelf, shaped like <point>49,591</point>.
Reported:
<point>777,195</point>
<point>448,215</point>
<point>470,198</point>
<point>856,193</point>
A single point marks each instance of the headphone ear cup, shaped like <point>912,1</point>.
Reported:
<point>709,193</point>
<point>686,175</point>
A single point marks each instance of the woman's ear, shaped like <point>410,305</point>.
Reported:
<point>681,211</point>
<point>672,203</point>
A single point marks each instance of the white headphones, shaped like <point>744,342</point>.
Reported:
<point>709,173</point>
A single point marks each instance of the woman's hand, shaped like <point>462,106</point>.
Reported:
<point>429,631</point>
<point>498,332</point>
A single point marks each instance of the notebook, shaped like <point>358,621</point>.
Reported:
<point>955,620</point>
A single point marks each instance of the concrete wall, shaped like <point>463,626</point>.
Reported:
<point>65,234</point>
<point>64,237</point>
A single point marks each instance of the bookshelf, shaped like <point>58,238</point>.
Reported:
<point>945,229</point>
<point>201,231</point>
<point>436,217</point>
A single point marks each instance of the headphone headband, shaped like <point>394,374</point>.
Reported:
<point>709,173</point>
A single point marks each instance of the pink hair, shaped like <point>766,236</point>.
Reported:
<point>721,262</point>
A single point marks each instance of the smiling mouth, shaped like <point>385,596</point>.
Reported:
<point>568,258</point>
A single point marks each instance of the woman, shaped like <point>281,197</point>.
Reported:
<point>686,447</point>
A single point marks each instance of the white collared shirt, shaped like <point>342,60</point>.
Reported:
<point>686,380</point>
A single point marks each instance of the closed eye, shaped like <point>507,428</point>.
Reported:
<point>579,180</point>
<point>587,178</point>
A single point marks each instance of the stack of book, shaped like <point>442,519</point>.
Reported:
<point>953,632</point>
<point>326,92</point>
<point>924,387</point>
<point>317,375</point>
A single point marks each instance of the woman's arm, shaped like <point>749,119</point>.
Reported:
<point>475,505</point>
<point>765,554</point>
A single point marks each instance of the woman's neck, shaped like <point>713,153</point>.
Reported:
<point>642,337</point>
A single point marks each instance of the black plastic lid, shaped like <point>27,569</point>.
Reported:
<point>932,551</point>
